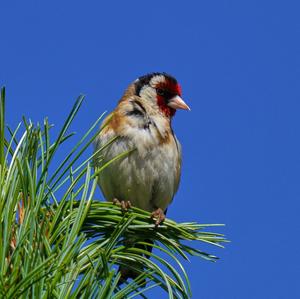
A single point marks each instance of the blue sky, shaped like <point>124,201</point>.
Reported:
<point>238,63</point>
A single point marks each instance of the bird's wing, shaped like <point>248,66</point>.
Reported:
<point>178,168</point>
<point>106,134</point>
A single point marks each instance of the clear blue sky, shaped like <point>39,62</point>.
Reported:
<point>239,66</point>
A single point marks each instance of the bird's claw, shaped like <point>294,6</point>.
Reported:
<point>159,216</point>
<point>125,205</point>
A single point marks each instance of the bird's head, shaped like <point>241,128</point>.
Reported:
<point>162,90</point>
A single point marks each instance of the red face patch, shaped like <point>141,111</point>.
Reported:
<point>166,91</point>
<point>178,88</point>
<point>163,107</point>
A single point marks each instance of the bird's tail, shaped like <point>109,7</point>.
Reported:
<point>132,269</point>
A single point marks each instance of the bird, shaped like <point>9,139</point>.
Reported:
<point>148,176</point>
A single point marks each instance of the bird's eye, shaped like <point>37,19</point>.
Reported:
<point>160,91</point>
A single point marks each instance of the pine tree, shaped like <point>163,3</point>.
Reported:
<point>58,241</point>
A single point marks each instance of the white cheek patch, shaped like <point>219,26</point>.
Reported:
<point>147,92</point>
<point>157,79</point>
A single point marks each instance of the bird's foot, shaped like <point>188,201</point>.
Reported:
<point>125,205</point>
<point>159,216</point>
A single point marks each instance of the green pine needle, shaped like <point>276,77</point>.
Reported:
<point>57,241</point>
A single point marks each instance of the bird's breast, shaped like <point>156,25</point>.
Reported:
<point>148,175</point>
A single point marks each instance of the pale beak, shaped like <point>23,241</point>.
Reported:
<point>178,103</point>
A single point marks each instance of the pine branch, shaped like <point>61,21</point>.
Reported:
<point>58,242</point>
